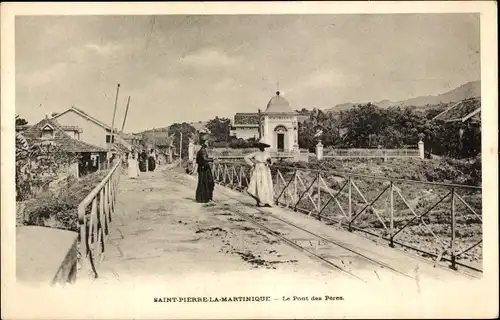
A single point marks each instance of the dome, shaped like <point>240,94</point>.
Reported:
<point>278,104</point>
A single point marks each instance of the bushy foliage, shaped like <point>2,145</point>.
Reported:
<point>61,210</point>
<point>188,132</point>
<point>219,128</point>
<point>38,166</point>
<point>368,126</point>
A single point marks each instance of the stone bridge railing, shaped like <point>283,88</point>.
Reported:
<point>95,216</point>
<point>438,220</point>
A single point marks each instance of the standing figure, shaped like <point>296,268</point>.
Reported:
<point>152,160</point>
<point>143,161</point>
<point>133,167</point>
<point>261,181</point>
<point>206,184</point>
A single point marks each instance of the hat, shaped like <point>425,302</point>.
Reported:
<point>263,143</point>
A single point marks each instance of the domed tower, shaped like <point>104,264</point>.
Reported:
<point>280,124</point>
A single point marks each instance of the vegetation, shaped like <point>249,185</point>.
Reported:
<point>59,210</point>
<point>368,126</point>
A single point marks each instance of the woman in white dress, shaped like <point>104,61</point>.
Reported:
<point>261,181</point>
<point>133,166</point>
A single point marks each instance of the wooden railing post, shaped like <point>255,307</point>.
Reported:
<point>453,231</point>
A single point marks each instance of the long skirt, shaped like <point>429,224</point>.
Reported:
<point>206,184</point>
<point>142,165</point>
<point>151,164</point>
<point>261,184</point>
<point>132,169</point>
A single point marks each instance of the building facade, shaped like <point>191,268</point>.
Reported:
<point>280,125</point>
<point>92,131</point>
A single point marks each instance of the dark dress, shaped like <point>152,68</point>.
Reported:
<point>205,189</point>
<point>151,163</point>
<point>142,161</point>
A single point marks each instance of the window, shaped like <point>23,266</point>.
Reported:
<point>108,136</point>
<point>47,134</point>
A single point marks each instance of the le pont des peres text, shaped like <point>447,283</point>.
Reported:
<point>212,299</point>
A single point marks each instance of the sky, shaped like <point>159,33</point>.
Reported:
<point>192,68</point>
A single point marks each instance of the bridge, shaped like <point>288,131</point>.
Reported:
<point>327,223</point>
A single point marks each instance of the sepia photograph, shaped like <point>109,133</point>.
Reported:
<point>343,149</point>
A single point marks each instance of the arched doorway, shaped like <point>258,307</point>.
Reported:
<point>281,137</point>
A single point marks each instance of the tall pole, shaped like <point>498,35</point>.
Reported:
<point>180,151</point>
<point>111,139</point>
<point>126,112</point>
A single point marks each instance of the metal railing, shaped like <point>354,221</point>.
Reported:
<point>371,153</point>
<point>95,215</point>
<point>438,220</point>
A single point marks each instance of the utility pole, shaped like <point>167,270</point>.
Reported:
<point>111,138</point>
<point>126,112</point>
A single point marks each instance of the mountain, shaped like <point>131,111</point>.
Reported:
<point>469,90</point>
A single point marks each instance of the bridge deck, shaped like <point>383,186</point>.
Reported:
<point>158,230</point>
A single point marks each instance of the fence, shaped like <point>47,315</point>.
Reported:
<point>442,221</point>
<point>372,153</point>
<point>95,215</point>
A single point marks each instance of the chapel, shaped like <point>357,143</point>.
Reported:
<point>280,125</point>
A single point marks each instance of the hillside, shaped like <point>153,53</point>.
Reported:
<point>465,91</point>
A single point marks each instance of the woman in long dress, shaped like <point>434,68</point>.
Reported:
<point>133,167</point>
<point>152,160</point>
<point>143,161</point>
<point>206,184</point>
<point>261,180</point>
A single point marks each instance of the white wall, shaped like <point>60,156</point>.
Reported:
<point>91,132</point>
<point>271,122</point>
<point>246,133</point>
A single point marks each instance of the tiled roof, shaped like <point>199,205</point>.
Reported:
<point>86,115</point>
<point>461,111</point>
<point>61,138</point>
<point>246,118</point>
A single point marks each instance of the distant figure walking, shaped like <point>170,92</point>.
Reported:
<point>133,167</point>
<point>143,157</point>
<point>206,184</point>
<point>261,181</point>
<point>152,160</point>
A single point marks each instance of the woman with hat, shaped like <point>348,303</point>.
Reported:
<point>261,181</point>
<point>206,184</point>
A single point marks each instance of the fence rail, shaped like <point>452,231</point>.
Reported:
<point>442,221</point>
<point>95,215</point>
<point>371,153</point>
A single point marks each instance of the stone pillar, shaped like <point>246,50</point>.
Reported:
<point>421,149</point>
<point>319,150</point>
<point>296,152</point>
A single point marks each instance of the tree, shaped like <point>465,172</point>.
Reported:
<point>20,121</point>
<point>219,128</point>
<point>188,131</point>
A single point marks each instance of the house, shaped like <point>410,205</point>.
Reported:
<point>93,131</point>
<point>466,113</point>
<point>245,126</point>
<point>165,149</point>
<point>49,132</point>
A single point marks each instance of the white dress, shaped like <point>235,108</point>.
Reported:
<point>133,168</point>
<point>261,180</point>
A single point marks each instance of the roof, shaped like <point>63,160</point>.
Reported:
<point>85,115</point>
<point>68,144</point>
<point>120,147</point>
<point>278,104</point>
<point>246,119</point>
<point>461,111</point>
